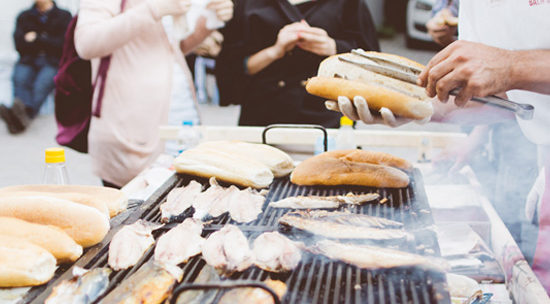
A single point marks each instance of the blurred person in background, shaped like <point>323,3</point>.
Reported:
<point>140,84</point>
<point>495,56</point>
<point>271,48</point>
<point>444,22</point>
<point>39,35</point>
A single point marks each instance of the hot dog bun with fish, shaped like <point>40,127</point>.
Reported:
<point>23,263</point>
<point>107,200</point>
<point>338,78</point>
<point>350,167</point>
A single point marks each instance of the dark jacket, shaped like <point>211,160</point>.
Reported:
<point>50,34</point>
<point>276,94</point>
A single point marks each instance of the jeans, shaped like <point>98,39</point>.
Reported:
<point>32,83</point>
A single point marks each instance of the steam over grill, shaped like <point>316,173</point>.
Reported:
<point>316,279</point>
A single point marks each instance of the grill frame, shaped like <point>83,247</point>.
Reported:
<point>409,205</point>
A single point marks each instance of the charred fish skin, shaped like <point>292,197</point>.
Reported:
<point>178,201</point>
<point>81,289</point>
<point>151,284</point>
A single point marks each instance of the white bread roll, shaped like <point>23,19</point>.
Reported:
<point>24,264</point>
<point>107,200</point>
<point>85,225</point>
<point>278,161</point>
<point>210,162</point>
<point>51,238</point>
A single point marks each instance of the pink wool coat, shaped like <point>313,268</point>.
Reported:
<point>125,139</point>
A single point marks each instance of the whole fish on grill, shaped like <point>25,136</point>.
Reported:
<point>276,253</point>
<point>254,295</point>
<point>200,296</point>
<point>180,243</point>
<point>227,250</point>
<point>84,288</point>
<point>178,200</point>
<point>370,257</point>
<point>151,284</point>
<point>324,202</point>
<point>342,225</point>
<point>130,243</point>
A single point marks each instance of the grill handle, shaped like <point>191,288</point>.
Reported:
<point>223,285</point>
<point>295,126</point>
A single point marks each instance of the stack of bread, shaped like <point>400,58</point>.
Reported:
<point>353,167</point>
<point>45,225</point>
<point>236,162</point>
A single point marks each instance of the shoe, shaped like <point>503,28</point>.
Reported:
<point>20,111</point>
<point>14,126</point>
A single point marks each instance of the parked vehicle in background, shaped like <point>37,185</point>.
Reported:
<point>418,14</point>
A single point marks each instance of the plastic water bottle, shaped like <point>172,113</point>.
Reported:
<point>345,138</point>
<point>56,170</point>
<point>188,136</point>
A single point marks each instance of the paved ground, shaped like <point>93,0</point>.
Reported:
<point>22,156</point>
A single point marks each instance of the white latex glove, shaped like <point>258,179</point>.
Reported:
<point>534,198</point>
<point>223,9</point>
<point>359,110</point>
<point>163,8</point>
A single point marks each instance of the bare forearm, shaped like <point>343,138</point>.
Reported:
<point>263,59</point>
<point>196,38</point>
<point>531,71</point>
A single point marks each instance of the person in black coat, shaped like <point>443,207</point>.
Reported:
<point>271,47</point>
<point>39,36</point>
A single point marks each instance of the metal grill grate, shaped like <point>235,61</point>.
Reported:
<point>316,279</point>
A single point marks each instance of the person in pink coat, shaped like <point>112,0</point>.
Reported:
<point>124,140</point>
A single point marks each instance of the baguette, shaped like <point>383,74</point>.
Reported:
<point>51,238</point>
<point>276,160</point>
<point>329,170</point>
<point>372,157</point>
<point>107,200</point>
<point>85,225</point>
<point>210,162</point>
<point>24,264</point>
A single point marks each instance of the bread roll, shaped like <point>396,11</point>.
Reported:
<point>371,157</point>
<point>329,170</point>
<point>51,238</point>
<point>24,264</point>
<point>107,200</point>
<point>85,225</point>
<point>278,161</point>
<point>231,168</point>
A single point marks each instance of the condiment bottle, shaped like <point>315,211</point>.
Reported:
<point>55,171</point>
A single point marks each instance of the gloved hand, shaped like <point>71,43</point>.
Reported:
<point>163,8</point>
<point>223,9</point>
<point>534,198</point>
<point>359,110</point>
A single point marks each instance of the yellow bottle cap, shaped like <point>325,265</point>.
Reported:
<point>344,121</point>
<point>55,155</point>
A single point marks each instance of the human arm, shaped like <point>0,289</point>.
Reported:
<point>22,45</point>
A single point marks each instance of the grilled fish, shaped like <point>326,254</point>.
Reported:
<point>130,243</point>
<point>369,257</point>
<point>326,202</point>
<point>251,295</point>
<point>151,284</point>
<point>178,200</point>
<point>84,288</point>
<point>245,205</point>
<point>180,243</point>
<point>207,274</point>
<point>204,203</point>
<point>341,225</point>
<point>276,253</point>
<point>13,295</point>
<point>227,250</point>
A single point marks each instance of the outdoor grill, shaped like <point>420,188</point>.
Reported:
<point>316,279</point>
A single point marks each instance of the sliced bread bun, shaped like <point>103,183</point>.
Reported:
<point>85,225</point>
<point>209,162</point>
<point>371,157</point>
<point>51,238</point>
<point>23,263</point>
<point>107,200</point>
<point>278,161</point>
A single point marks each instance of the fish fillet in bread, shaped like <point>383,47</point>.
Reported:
<point>51,238</point>
<point>107,200</point>
<point>278,161</point>
<point>209,162</point>
<point>85,225</point>
<point>23,263</point>
<point>338,78</point>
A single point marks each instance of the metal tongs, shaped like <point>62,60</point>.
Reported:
<point>397,70</point>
